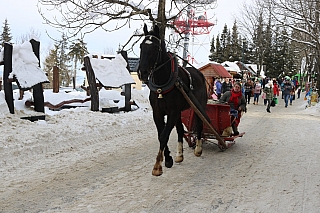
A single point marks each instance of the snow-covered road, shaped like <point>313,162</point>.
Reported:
<point>104,165</point>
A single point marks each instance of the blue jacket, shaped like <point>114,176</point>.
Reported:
<point>218,87</point>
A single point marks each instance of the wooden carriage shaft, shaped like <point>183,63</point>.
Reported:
<point>197,111</point>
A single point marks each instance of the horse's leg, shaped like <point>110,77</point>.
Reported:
<point>160,124</point>
<point>168,161</point>
<point>157,168</point>
<point>180,131</point>
<point>171,121</point>
<point>164,150</point>
<point>198,149</point>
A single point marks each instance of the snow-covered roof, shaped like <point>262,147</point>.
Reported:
<point>231,66</point>
<point>25,66</point>
<point>111,73</point>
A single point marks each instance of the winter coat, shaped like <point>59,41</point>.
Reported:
<point>269,91</point>
<point>226,87</point>
<point>257,88</point>
<point>218,87</point>
<point>275,89</point>
<point>248,87</point>
<point>287,87</point>
<point>241,102</point>
<point>292,92</point>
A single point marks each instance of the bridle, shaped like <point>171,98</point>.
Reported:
<point>155,66</point>
<point>162,89</point>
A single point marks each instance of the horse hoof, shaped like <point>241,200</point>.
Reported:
<point>157,172</point>
<point>178,159</point>
<point>198,152</point>
<point>169,163</point>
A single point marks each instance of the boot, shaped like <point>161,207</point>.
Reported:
<point>234,129</point>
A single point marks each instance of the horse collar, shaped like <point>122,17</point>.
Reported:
<point>168,86</point>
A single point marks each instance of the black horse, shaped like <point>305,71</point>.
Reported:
<point>160,71</point>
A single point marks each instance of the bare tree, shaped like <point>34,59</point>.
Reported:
<point>32,34</point>
<point>302,16</point>
<point>80,17</point>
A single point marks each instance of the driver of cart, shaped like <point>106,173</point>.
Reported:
<point>237,103</point>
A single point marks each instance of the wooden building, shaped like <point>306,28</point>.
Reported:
<point>211,72</point>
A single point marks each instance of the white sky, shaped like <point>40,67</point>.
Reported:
<point>23,15</point>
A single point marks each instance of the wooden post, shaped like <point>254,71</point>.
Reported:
<point>127,97</point>
<point>74,82</point>
<point>127,87</point>
<point>92,85</point>
<point>55,79</point>
<point>37,89</point>
<point>7,85</point>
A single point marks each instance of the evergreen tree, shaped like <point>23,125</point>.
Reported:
<point>277,66</point>
<point>217,51</point>
<point>224,44</point>
<point>63,59</point>
<point>282,53</point>
<point>235,48</point>
<point>212,56</point>
<point>77,51</point>
<point>5,35</point>
<point>50,61</point>
<point>259,43</point>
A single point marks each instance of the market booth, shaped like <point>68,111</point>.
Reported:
<point>211,72</point>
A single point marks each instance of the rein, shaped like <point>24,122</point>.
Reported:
<point>168,86</point>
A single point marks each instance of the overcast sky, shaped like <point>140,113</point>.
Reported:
<point>23,15</point>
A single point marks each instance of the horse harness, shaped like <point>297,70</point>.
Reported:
<point>173,79</point>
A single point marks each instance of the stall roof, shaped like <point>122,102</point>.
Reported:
<point>112,73</point>
<point>221,71</point>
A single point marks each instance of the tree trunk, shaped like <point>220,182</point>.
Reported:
<point>75,72</point>
<point>161,20</point>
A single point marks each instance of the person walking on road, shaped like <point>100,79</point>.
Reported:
<point>299,91</point>
<point>248,86</point>
<point>292,95</point>
<point>256,92</point>
<point>268,89</point>
<point>286,90</point>
<point>275,89</point>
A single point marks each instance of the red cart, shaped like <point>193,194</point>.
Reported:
<point>219,115</point>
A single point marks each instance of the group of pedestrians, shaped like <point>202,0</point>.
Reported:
<point>238,94</point>
<point>268,88</point>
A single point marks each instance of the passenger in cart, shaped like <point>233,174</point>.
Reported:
<point>237,103</point>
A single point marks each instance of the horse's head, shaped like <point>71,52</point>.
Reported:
<point>150,50</point>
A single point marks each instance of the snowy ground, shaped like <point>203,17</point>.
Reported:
<point>82,161</point>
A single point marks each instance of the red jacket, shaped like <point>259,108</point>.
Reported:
<point>276,89</point>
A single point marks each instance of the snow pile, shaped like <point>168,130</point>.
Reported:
<point>25,64</point>
<point>111,73</point>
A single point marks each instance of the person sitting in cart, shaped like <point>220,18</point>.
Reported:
<point>237,103</point>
